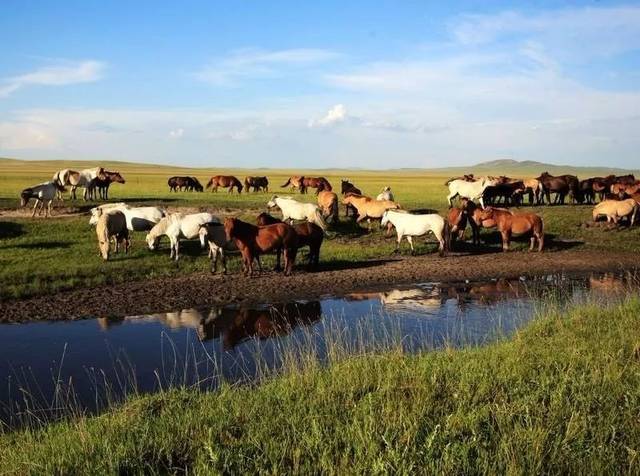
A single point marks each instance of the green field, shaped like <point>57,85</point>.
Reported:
<point>561,397</point>
<point>39,256</point>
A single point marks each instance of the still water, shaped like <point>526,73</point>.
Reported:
<point>45,365</point>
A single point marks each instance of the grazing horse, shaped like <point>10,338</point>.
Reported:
<point>252,241</point>
<point>309,234</point>
<point>184,183</point>
<point>409,225</point>
<point>562,185</point>
<point>458,219</point>
<point>258,184</point>
<point>368,207</point>
<point>470,190</point>
<point>138,218</point>
<point>82,179</point>
<point>176,226</point>
<point>328,203</point>
<point>616,209</point>
<point>348,187</point>
<point>224,181</point>
<point>44,192</point>
<point>511,192</point>
<point>385,194</point>
<point>319,183</point>
<point>519,223</point>
<point>102,185</point>
<point>294,210</point>
<point>112,225</point>
<point>295,182</point>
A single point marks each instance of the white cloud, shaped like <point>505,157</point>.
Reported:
<point>335,115</point>
<point>176,133</point>
<point>251,63</point>
<point>59,75</point>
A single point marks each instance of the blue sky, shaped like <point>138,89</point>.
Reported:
<point>321,84</point>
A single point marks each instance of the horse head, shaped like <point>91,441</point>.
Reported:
<point>229,227</point>
<point>272,203</point>
<point>25,196</point>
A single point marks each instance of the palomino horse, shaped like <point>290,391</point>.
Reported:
<point>112,225</point>
<point>309,234</point>
<point>224,181</point>
<point>44,192</point>
<point>294,210</point>
<point>410,226</point>
<point>78,179</point>
<point>348,187</point>
<point>368,207</point>
<point>562,185</point>
<point>102,185</point>
<point>138,218</point>
<point>470,190</point>
<point>252,241</point>
<point>177,226</point>
<point>328,203</point>
<point>519,223</point>
<point>258,184</point>
<point>295,182</point>
<point>616,209</point>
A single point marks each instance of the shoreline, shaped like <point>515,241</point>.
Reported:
<point>203,289</point>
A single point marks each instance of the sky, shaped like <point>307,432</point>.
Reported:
<point>326,84</point>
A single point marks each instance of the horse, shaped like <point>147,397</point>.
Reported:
<point>385,194</point>
<point>533,188</point>
<point>252,241</point>
<point>224,181</point>
<point>138,218</point>
<point>470,190</point>
<point>112,225</point>
<point>176,226</point>
<point>561,185</point>
<point>458,219</point>
<point>214,234</point>
<point>294,210</point>
<point>586,191</point>
<point>184,183</point>
<point>102,185</point>
<point>319,183</point>
<point>616,209</point>
<point>368,207</point>
<point>80,179</point>
<point>328,203</point>
<point>44,192</point>
<point>309,234</point>
<point>510,191</point>
<point>519,223</point>
<point>348,187</point>
<point>295,182</point>
<point>409,225</point>
<point>258,184</point>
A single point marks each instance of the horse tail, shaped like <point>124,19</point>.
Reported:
<point>449,181</point>
<point>209,183</point>
<point>287,183</point>
<point>318,220</point>
<point>446,236</point>
<point>335,211</point>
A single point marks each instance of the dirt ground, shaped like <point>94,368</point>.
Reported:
<point>167,294</point>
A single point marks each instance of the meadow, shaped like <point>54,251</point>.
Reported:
<point>560,397</point>
<point>40,256</point>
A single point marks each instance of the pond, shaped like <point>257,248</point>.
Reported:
<point>48,367</point>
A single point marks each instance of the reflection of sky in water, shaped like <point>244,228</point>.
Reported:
<point>197,345</point>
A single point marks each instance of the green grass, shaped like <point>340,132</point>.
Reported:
<point>40,256</point>
<point>562,396</point>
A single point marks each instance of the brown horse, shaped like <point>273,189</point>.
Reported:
<point>224,181</point>
<point>458,219</point>
<point>309,234</point>
<point>258,184</point>
<point>103,184</point>
<point>319,183</point>
<point>348,187</point>
<point>294,182</point>
<point>561,185</point>
<point>519,223</point>
<point>252,241</point>
<point>184,183</point>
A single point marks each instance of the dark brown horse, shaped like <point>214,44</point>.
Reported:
<point>515,223</point>
<point>224,181</point>
<point>258,184</point>
<point>319,183</point>
<point>184,183</point>
<point>102,184</point>
<point>309,234</point>
<point>252,241</point>
<point>561,185</point>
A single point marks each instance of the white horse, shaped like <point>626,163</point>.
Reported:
<point>409,225</point>
<point>294,210</point>
<point>78,179</point>
<point>470,190</point>
<point>43,192</point>
<point>138,218</point>
<point>385,194</point>
<point>177,226</point>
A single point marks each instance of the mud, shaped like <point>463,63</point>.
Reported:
<point>165,294</point>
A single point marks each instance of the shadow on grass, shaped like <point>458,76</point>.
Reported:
<point>10,229</point>
<point>41,245</point>
<point>492,243</point>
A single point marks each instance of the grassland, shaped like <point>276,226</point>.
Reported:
<point>561,397</point>
<point>40,256</point>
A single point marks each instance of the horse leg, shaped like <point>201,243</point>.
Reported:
<point>213,252</point>
<point>34,209</point>
<point>278,253</point>
<point>481,202</point>
<point>450,198</point>
<point>533,242</point>
<point>540,237</point>
<point>398,240</point>
<point>410,240</point>
<point>505,240</point>
<point>177,248</point>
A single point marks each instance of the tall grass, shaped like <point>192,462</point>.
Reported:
<point>561,396</point>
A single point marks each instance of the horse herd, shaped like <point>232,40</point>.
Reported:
<point>306,224</point>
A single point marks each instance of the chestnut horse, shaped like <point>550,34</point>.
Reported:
<point>252,241</point>
<point>294,182</point>
<point>518,223</point>
<point>319,183</point>
<point>309,234</point>
<point>224,181</point>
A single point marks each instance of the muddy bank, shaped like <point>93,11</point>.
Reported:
<point>166,294</point>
